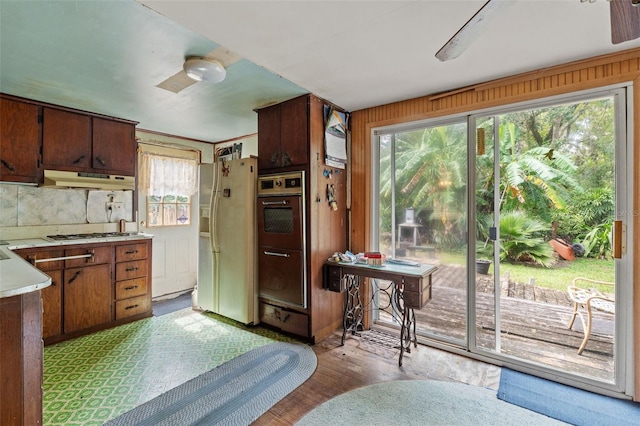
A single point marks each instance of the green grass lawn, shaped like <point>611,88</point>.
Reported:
<point>558,277</point>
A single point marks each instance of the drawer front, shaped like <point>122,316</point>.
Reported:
<point>129,270</point>
<point>131,288</point>
<point>35,258</point>
<point>289,321</point>
<point>411,283</point>
<point>417,299</point>
<point>98,255</point>
<point>130,307</point>
<point>131,252</point>
<point>332,280</point>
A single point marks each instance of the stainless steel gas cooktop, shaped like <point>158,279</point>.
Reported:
<point>90,236</point>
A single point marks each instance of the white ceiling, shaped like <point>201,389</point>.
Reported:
<point>361,54</point>
<point>107,57</point>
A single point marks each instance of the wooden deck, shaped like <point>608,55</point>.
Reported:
<point>531,329</point>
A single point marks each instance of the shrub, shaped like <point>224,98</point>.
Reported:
<point>520,239</point>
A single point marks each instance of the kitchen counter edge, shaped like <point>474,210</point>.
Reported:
<point>17,276</point>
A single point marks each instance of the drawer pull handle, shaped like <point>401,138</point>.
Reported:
<point>131,307</point>
<point>53,259</point>
<point>131,269</point>
<point>131,287</point>
<point>75,276</point>
<point>275,203</point>
<point>8,166</point>
<point>272,253</point>
<point>131,252</point>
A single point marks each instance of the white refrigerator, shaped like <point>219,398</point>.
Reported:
<point>227,268</point>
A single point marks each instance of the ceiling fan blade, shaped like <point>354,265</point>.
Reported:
<point>625,21</point>
<point>224,56</point>
<point>180,80</point>
<point>470,31</point>
<point>177,82</point>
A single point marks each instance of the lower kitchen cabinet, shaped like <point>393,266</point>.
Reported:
<point>93,286</point>
<point>87,297</point>
<point>47,261</point>
<point>52,306</point>
<point>133,288</point>
<point>21,359</point>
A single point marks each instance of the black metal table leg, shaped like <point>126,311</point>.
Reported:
<point>353,309</point>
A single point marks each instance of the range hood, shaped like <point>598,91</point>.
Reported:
<point>62,179</point>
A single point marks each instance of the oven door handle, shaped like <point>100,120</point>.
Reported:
<point>275,203</point>
<point>272,253</point>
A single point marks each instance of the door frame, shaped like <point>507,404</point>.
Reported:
<point>624,355</point>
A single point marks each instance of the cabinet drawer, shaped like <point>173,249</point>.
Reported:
<point>98,256</point>
<point>131,252</point>
<point>130,307</point>
<point>130,288</point>
<point>417,299</point>
<point>39,259</point>
<point>129,270</point>
<point>332,280</point>
<point>412,283</point>
<point>289,321</point>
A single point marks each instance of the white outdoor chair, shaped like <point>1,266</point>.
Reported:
<point>588,299</point>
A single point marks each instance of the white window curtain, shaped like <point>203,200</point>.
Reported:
<point>164,175</point>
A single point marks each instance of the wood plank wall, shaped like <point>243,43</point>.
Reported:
<point>576,76</point>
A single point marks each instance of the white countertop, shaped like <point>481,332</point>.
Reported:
<point>17,276</point>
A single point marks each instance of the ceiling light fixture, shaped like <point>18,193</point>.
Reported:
<point>204,69</point>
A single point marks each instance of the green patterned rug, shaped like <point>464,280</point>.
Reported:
<point>94,378</point>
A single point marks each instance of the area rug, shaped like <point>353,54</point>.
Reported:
<point>422,402</point>
<point>235,393</point>
<point>566,403</point>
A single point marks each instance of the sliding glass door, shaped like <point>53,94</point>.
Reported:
<point>546,240</point>
<point>422,215</point>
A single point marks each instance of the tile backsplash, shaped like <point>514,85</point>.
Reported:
<point>25,209</point>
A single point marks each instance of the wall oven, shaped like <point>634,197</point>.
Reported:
<point>281,239</point>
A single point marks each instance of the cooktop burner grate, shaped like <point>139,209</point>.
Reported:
<point>88,236</point>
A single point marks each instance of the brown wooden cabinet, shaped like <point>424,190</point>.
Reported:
<point>19,141</point>
<point>114,147</point>
<point>80,142</point>
<point>96,286</point>
<point>52,295</point>
<point>133,295</point>
<point>88,288</point>
<point>283,135</point>
<point>296,128</point>
<point>35,136</point>
<point>66,140</point>
<point>21,359</point>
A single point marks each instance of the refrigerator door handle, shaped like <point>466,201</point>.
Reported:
<point>274,203</point>
<point>272,253</point>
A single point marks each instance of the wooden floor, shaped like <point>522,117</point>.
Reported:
<point>362,361</point>
<point>530,330</point>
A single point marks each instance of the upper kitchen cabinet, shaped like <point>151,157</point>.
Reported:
<point>66,140</point>
<point>283,135</point>
<point>114,146</point>
<point>76,141</point>
<point>19,141</point>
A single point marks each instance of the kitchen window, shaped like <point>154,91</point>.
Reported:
<point>168,210</point>
<point>168,178</point>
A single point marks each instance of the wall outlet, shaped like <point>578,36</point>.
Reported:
<point>114,206</point>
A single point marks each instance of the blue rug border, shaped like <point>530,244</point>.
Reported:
<point>565,403</point>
